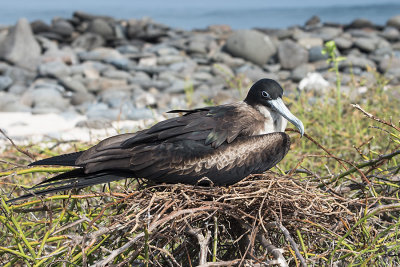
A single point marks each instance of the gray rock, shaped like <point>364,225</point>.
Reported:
<point>389,63</point>
<point>178,86</point>
<point>202,76</point>
<point>291,54</point>
<point>88,41</point>
<point>11,103</point>
<point>56,69</point>
<point>72,84</point>
<point>169,59</point>
<point>144,99</point>
<point>101,111</point>
<point>197,47</point>
<point>43,98</point>
<point>283,75</point>
<point>115,98</point>
<point>79,98</point>
<point>100,84</point>
<point>309,42</point>
<point>227,59</point>
<point>102,28</point>
<point>94,124</point>
<point>251,45</point>
<point>301,72</point>
<point>100,54</point>
<point>394,22</point>
<point>128,49</point>
<point>39,26</point>
<point>62,27</point>
<point>360,23</point>
<point>254,73</point>
<point>365,44</point>
<point>315,54</point>
<point>393,74</point>
<point>222,70</point>
<point>184,68</point>
<point>5,82</point>
<point>147,83</point>
<point>327,33</point>
<point>129,112</point>
<point>343,43</point>
<point>391,34</point>
<point>116,74</point>
<point>17,89</point>
<point>355,61</point>
<point>20,47</point>
<point>313,21</point>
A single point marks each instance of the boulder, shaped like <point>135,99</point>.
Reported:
<point>291,54</point>
<point>251,45</point>
<point>394,22</point>
<point>20,47</point>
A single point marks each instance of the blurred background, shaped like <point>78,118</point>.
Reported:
<point>239,14</point>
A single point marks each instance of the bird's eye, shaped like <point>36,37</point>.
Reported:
<point>265,94</point>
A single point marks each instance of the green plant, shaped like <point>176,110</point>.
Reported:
<point>330,49</point>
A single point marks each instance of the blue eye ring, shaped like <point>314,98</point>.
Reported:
<point>265,95</point>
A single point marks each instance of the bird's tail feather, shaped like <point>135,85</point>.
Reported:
<point>74,179</point>
<point>62,160</point>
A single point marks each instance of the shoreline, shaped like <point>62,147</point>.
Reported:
<point>103,70</point>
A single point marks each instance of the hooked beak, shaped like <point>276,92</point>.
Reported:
<point>280,107</point>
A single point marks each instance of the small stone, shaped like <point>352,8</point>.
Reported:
<point>102,28</point>
<point>389,63</point>
<point>169,59</point>
<point>310,42</point>
<point>5,82</point>
<point>315,54</point>
<point>314,20</point>
<point>100,54</point>
<point>291,54</point>
<point>54,69</point>
<point>327,33</point>
<point>88,41</point>
<point>46,98</point>
<point>361,23</point>
<point>197,47</point>
<point>94,124</point>
<point>62,27</point>
<point>72,84</point>
<point>365,44</point>
<point>223,70</point>
<point>355,61</point>
<point>79,98</point>
<point>39,26</point>
<point>301,71</point>
<point>17,89</point>
<point>116,74</point>
<point>343,43</point>
<point>251,45</point>
<point>202,76</point>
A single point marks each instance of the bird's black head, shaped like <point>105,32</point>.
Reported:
<point>268,93</point>
<point>263,91</point>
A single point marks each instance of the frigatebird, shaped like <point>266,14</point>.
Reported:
<point>224,143</point>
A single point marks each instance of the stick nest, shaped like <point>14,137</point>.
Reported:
<point>178,224</point>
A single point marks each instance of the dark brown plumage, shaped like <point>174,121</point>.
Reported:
<point>223,143</point>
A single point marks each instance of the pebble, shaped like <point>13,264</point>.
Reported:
<point>5,82</point>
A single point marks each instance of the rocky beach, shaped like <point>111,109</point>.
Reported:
<point>92,76</point>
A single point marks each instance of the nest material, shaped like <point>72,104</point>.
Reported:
<point>178,224</point>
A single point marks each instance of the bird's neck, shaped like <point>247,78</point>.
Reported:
<point>274,122</point>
